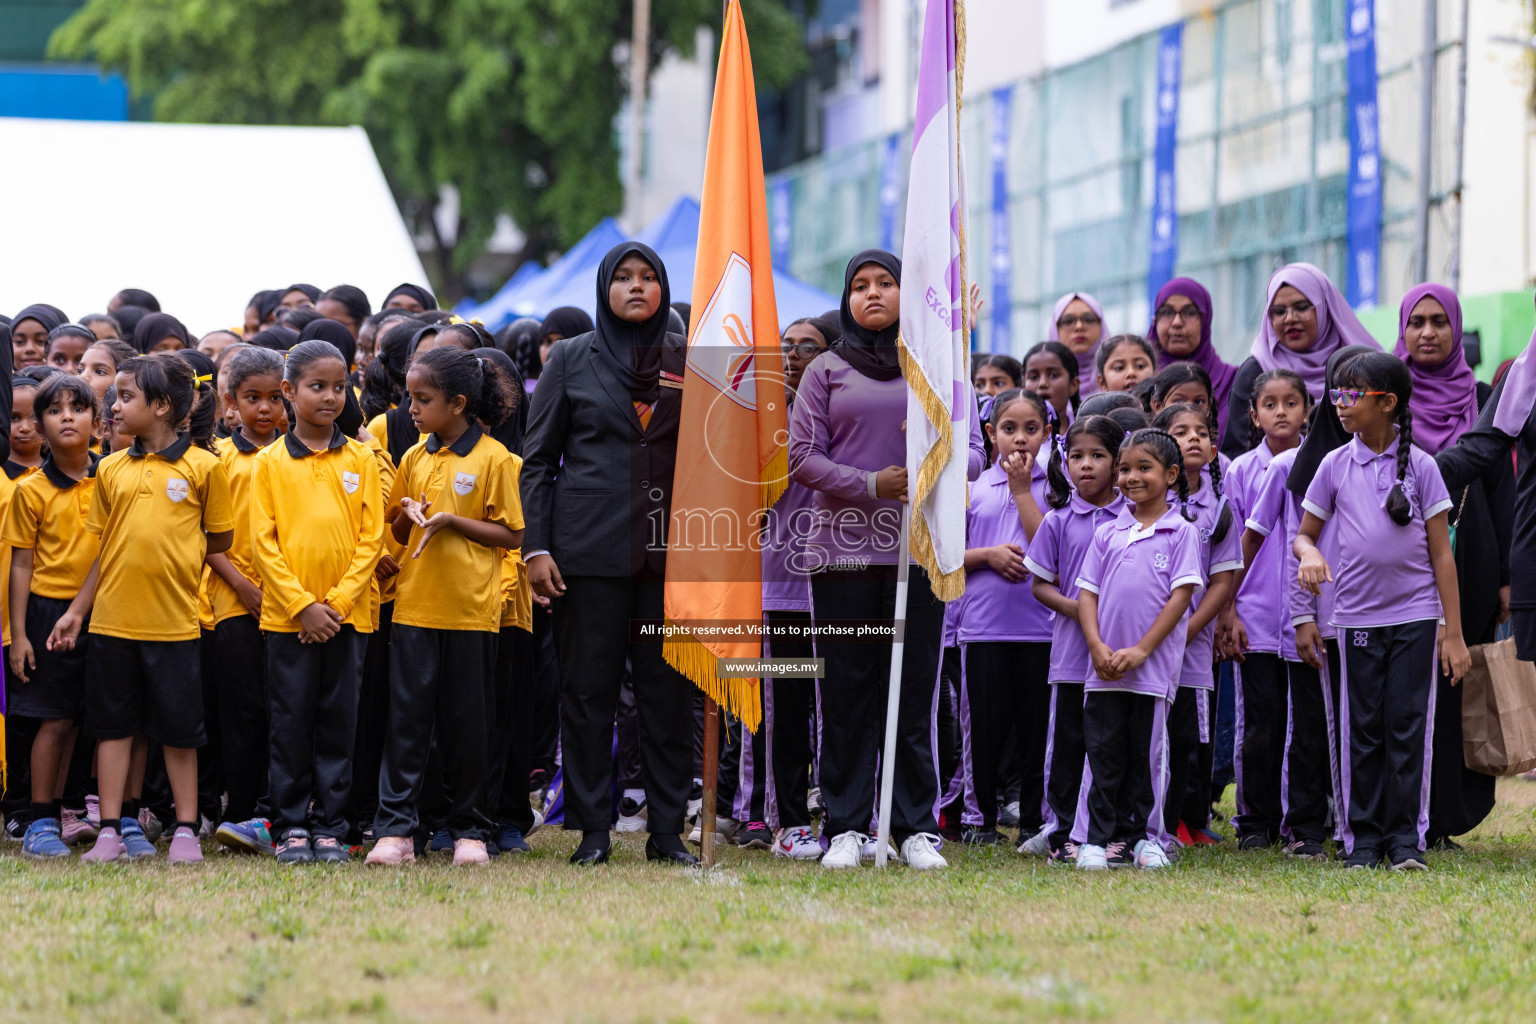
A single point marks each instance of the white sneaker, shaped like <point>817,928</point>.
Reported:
<point>631,816</point>
<point>538,823</point>
<point>1150,855</point>
<point>867,854</point>
<point>921,852</point>
<point>798,843</point>
<point>696,835</point>
<point>1037,845</point>
<point>844,851</point>
<point>1091,858</point>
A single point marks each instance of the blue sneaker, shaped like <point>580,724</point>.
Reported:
<point>254,836</point>
<point>44,839</point>
<point>510,839</point>
<point>441,842</point>
<point>136,846</point>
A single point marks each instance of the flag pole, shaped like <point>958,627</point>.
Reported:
<point>893,698</point>
<point>711,782</point>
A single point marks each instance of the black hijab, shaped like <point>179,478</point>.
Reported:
<point>278,339</point>
<point>633,350</point>
<point>872,353</point>
<point>309,290</point>
<point>420,294</point>
<point>49,316</point>
<point>128,318</point>
<point>333,331</point>
<point>1326,432</point>
<point>520,340</point>
<point>568,321</point>
<point>265,302</point>
<point>155,328</point>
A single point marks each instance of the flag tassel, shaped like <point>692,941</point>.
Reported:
<point>738,696</point>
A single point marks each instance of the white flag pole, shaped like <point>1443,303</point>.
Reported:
<point>893,697</point>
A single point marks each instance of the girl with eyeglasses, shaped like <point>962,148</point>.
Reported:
<point>1181,332</point>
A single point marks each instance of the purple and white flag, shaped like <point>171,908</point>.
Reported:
<point>933,311</point>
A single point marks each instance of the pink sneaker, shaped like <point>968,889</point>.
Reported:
<point>469,851</point>
<point>109,847</point>
<point>75,829</point>
<point>185,849</point>
<point>392,850</point>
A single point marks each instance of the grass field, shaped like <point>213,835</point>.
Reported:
<point>1219,937</point>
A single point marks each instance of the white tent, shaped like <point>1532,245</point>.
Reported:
<point>203,216</point>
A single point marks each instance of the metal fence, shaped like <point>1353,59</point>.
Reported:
<point>1262,162</point>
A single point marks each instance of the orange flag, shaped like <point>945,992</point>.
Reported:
<point>732,463</point>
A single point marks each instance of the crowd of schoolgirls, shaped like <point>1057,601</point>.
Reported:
<point>228,600</point>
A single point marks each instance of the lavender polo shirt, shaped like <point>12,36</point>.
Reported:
<point>997,611</point>
<point>1225,555</point>
<point>1135,572</point>
<point>786,582</point>
<point>1383,572</point>
<point>1266,600</point>
<point>1057,553</point>
<point>843,429</point>
<point>1256,603</point>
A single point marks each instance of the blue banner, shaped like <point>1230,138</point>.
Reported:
<point>1002,240</point>
<point>1164,248</point>
<point>890,192</point>
<point>1364,158</point>
<point>781,222</point>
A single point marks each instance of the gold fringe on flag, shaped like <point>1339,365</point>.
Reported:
<point>737,696</point>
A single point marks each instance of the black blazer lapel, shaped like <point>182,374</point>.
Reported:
<point>609,383</point>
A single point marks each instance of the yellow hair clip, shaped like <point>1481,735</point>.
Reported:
<point>204,378</point>
<point>456,319</point>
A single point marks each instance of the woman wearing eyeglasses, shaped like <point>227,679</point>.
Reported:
<point>1078,323</point>
<point>1181,332</point>
<point>1306,320</point>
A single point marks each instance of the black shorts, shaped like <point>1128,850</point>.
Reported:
<point>56,687</point>
<point>148,688</point>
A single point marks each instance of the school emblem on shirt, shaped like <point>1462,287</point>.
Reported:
<point>176,489</point>
<point>463,483</point>
<point>349,482</point>
<point>1160,560</point>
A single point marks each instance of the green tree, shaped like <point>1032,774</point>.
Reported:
<point>512,102</point>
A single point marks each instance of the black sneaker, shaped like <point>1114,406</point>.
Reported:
<point>294,848</point>
<point>1363,858</point>
<point>509,839</point>
<point>1305,849</point>
<point>1118,855</point>
<point>1407,858</point>
<point>15,829</point>
<point>330,851</point>
<point>981,837</point>
<point>1253,841</point>
<point>754,835</point>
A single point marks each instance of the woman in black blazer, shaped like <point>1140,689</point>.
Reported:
<point>597,496</point>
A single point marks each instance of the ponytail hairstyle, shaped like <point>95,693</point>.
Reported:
<point>1164,421</point>
<point>1068,360</point>
<point>1176,375</point>
<point>384,379</point>
<point>1382,371</point>
<point>998,361</point>
<point>1107,349</point>
<point>164,375</point>
<point>1292,378</point>
<point>1163,447</point>
<point>1104,429</point>
<point>204,417</point>
<point>490,396</point>
<point>305,354</point>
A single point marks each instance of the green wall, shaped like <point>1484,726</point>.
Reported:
<point>1505,322</point>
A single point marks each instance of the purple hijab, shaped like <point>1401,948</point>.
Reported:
<point>1519,393</point>
<point>1337,326</point>
<point>1087,369</point>
<point>1204,355</point>
<point>1444,400</point>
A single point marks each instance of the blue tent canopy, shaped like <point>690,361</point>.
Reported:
<point>571,280</point>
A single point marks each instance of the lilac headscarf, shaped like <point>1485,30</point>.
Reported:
<point>1519,393</point>
<point>1204,356</point>
<point>1444,401</point>
<point>1337,326</point>
<point>1087,370</point>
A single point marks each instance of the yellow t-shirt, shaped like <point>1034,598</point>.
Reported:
<point>456,583</point>
<point>239,458</point>
<point>47,515</point>
<point>7,490</point>
<point>385,592</point>
<point>317,529</point>
<point>152,511</point>
<point>516,594</point>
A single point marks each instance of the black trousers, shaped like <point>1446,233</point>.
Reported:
<point>592,633</point>
<point>1306,778</point>
<point>210,756</point>
<point>951,745</point>
<point>372,723</point>
<point>512,739</point>
<point>1119,730</point>
<point>546,701</point>
<point>1006,691</point>
<point>1183,753</point>
<point>1388,692</point>
<point>1263,683</point>
<point>241,677</point>
<point>790,707</point>
<point>438,680</point>
<point>312,706</point>
<point>1064,781</point>
<point>854,693</point>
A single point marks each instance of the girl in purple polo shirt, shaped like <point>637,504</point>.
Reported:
<point>1189,719</point>
<point>1396,578</point>
<point>1055,556</point>
<point>1137,583</point>
<point>1051,371</point>
<point>1005,634</point>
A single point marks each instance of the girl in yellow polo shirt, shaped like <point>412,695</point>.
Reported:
<point>317,526</point>
<point>455,506</point>
<point>51,554</point>
<point>160,507</point>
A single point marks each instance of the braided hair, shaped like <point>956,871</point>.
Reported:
<point>1382,371</point>
<point>1165,421</point>
<point>1104,429</point>
<point>1166,450</point>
